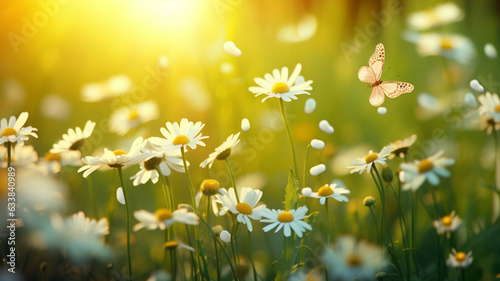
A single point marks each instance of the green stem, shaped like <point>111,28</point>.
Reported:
<point>9,154</point>
<point>194,264</point>
<point>165,187</point>
<point>414,205</point>
<point>250,255</point>
<point>285,121</point>
<point>376,224</point>
<point>404,231</point>
<point>191,186</point>
<point>304,182</point>
<point>329,223</point>
<point>228,164</point>
<point>127,205</point>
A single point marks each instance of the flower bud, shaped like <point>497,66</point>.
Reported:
<point>306,191</point>
<point>368,201</point>
<point>387,174</point>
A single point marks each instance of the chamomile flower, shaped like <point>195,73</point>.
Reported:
<point>22,156</point>
<point>441,14</point>
<point>279,85</point>
<point>114,86</point>
<point>448,223</point>
<point>331,191</point>
<point>352,260</point>
<point>209,188</point>
<point>400,147</point>
<point>246,209</point>
<point>370,160</point>
<point>13,130</point>
<point>126,118</point>
<point>178,135</point>
<point>490,106</point>
<point>116,158</point>
<point>459,259</point>
<point>416,173</point>
<point>163,218</point>
<point>221,152</point>
<point>74,139</point>
<point>288,220</point>
<point>488,124</point>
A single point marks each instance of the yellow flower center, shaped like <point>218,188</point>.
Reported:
<point>210,187</point>
<point>49,157</point>
<point>285,216</point>
<point>280,88</point>
<point>325,191</point>
<point>119,152</point>
<point>244,208</point>
<point>181,139</point>
<point>446,220</point>
<point>77,145</point>
<point>354,260</point>
<point>446,44</point>
<point>497,108</point>
<point>152,163</point>
<point>171,245</point>
<point>425,166</point>
<point>460,256</point>
<point>9,132</point>
<point>163,214</point>
<point>133,115</point>
<point>371,157</point>
<point>224,154</point>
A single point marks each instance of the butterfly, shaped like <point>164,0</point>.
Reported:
<point>372,75</point>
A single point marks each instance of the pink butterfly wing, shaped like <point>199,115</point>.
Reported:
<point>377,96</point>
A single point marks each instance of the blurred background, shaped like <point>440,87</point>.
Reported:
<point>68,61</point>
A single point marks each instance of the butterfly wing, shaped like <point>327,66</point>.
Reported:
<point>394,89</point>
<point>377,96</point>
<point>366,74</point>
<point>377,60</point>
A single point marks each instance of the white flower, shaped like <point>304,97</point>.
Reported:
<point>370,159</point>
<point>246,209</point>
<point>116,158</point>
<point>245,124</point>
<point>225,236</point>
<point>318,169</point>
<point>326,127</point>
<point>280,86</point>
<point>221,152</point>
<point>21,156</point>
<point>300,31</point>
<point>415,174</point>
<point>113,87</point>
<point>470,100</point>
<point>184,134</point>
<point>127,118</point>
<point>310,105</point>
<point>448,223</point>
<point>490,106</point>
<point>120,196</point>
<point>306,191</point>
<point>231,49</point>
<point>288,220</point>
<point>351,260</point>
<point>165,160</point>
<point>74,139</point>
<point>441,14</point>
<point>331,191</point>
<point>450,46</point>
<point>317,144</point>
<point>400,147</point>
<point>52,162</point>
<point>489,124</point>
<point>13,131</point>
<point>38,191</point>
<point>459,259</point>
<point>490,51</point>
<point>163,218</point>
<point>474,84</point>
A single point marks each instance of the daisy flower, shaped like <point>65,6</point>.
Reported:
<point>177,135</point>
<point>490,106</point>
<point>448,223</point>
<point>112,87</point>
<point>415,174</point>
<point>288,220</point>
<point>163,218</point>
<point>74,139</point>
<point>400,147</point>
<point>370,160</point>
<point>164,160</point>
<point>246,209</point>
<point>209,187</point>
<point>351,260</point>
<point>22,156</point>
<point>280,86</point>
<point>127,118</point>
<point>115,159</point>
<point>441,14</point>
<point>221,152</point>
<point>459,259</point>
<point>488,124</point>
<point>53,162</point>
<point>331,191</point>
<point>13,131</point>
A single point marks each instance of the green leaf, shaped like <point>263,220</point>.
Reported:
<point>492,188</point>
<point>291,196</point>
<point>311,218</point>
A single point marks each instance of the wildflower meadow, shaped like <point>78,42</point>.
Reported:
<point>249,140</point>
